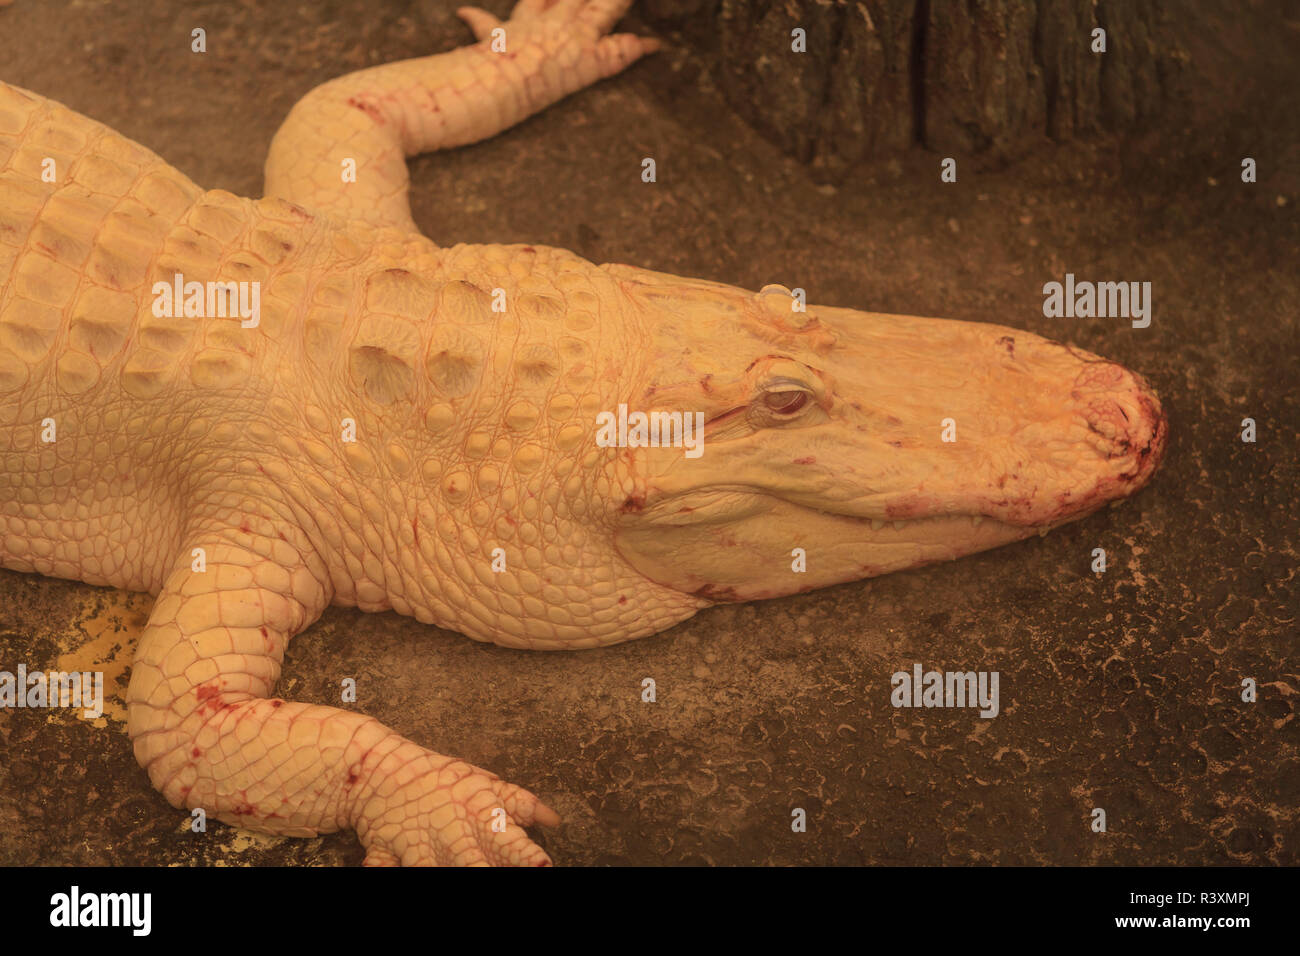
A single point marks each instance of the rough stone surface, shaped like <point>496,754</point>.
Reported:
<point>1119,691</point>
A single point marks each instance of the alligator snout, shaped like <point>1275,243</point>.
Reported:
<point>1127,425</point>
<point>1123,411</point>
<point>1085,432</point>
<point>990,422</point>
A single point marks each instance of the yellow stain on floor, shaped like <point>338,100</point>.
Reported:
<point>102,639</point>
<point>241,840</point>
<point>234,840</point>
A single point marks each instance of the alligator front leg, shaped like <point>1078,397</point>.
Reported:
<point>373,119</point>
<point>209,734</point>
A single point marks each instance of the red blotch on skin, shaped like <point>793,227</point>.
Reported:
<point>299,212</point>
<point>907,508</point>
<point>529,249</point>
<point>714,592</point>
<point>243,526</point>
<point>196,752</point>
<point>276,703</point>
<point>415,529</point>
<point>622,599</point>
<point>209,696</point>
<point>370,109</point>
<point>805,461</point>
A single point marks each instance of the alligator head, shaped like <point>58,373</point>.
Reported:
<point>872,442</point>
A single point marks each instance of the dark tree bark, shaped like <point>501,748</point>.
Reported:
<point>957,76</point>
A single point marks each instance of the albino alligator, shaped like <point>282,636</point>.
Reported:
<point>397,425</point>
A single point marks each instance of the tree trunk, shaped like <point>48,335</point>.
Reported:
<point>957,76</point>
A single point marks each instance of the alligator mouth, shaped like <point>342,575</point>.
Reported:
<point>734,503</point>
<point>864,547</point>
<point>885,545</point>
<point>739,543</point>
<point>941,522</point>
<point>963,532</point>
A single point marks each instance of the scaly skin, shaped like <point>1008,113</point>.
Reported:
<point>208,463</point>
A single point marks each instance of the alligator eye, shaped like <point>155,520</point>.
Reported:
<point>785,403</point>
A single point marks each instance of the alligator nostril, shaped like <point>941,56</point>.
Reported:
<point>1119,408</point>
<point>1126,417</point>
<point>1108,419</point>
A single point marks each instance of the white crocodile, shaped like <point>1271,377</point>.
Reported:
<point>391,424</point>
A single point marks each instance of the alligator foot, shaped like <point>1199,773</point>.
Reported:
<point>421,808</point>
<point>571,32</point>
<point>376,118</point>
